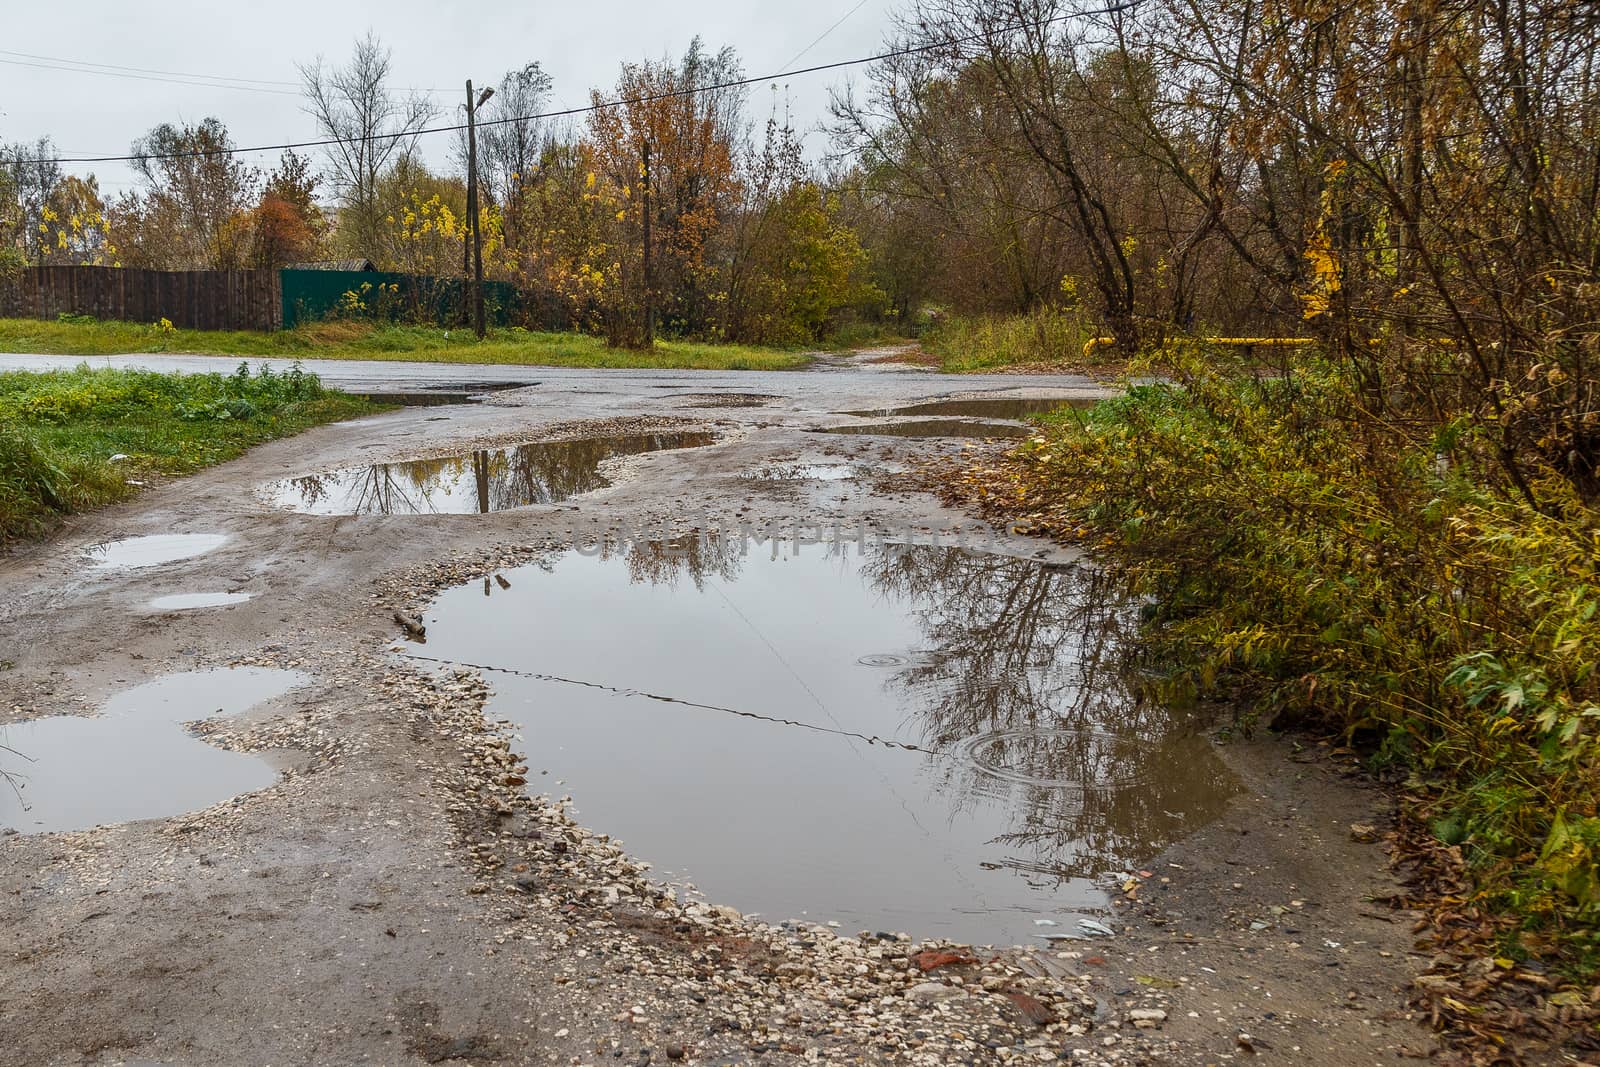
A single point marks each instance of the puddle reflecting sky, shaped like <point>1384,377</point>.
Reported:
<point>917,739</point>
<point>191,601</point>
<point>476,482</point>
<point>1005,407</point>
<point>134,760</point>
<point>132,553</point>
<point>802,472</point>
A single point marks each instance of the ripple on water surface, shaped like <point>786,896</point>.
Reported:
<point>134,760</point>
<point>918,739</point>
<point>475,482</point>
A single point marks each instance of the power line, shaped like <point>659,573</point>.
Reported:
<point>822,37</point>
<point>738,83</point>
<point>149,77</point>
<point>171,77</point>
<point>149,70</point>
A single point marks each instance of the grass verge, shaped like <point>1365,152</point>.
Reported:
<point>74,440</point>
<point>357,340</point>
<point>1373,581</point>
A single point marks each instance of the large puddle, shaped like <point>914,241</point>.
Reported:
<point>1003,407</point>
<point>477,482</point>
<point>134,760</point>
<point>911,739</point>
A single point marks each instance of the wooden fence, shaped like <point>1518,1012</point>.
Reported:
<point>189,299</point>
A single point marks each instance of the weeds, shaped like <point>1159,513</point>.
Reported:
<point>979,342</point>
<point>1365,578</point>
<point>72,440</point>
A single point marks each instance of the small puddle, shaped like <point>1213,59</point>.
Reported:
<point>1005,407</point>
<point>132,553</point>
<point>134,760</point>
<point>912,739</point>
<point>474,483</point>
<point>802,472</point>
<point>935,428</point>
<point>190,601</point>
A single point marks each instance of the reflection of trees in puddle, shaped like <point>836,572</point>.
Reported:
<point>1024,695</point>
<point>482,481</point>
<point>1026,685</point>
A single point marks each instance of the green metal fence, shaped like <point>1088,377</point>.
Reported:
<point>315,295</point>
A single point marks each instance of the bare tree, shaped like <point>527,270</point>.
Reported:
<point>370,126</point>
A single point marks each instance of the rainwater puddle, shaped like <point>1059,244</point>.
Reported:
<point>190,601</point>
<point>911,739</point>
<point>132,553</point>
<point>935,428</point>
<point>134,760</point>
<point>802,472</point>
<point>1005,407</point>
<point>477,482</point>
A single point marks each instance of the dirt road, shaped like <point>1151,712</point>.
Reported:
<point>398,897</point>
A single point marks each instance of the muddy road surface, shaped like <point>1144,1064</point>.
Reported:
<point>473,734</point>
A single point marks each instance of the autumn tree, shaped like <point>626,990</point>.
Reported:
<point>692,120</point>
<point>74,230</point>
<point>192,213</point>
<point>31,176</point>
<point>288,226</point>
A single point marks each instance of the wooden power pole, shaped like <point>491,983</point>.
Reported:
<point>649,267</point>
<point>472,211</point>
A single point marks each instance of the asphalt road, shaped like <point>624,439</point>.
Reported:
<point>392,377</point>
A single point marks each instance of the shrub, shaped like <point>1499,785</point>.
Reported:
<point>1360,576</point>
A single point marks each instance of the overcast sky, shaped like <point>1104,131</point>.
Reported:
<point>435,47</point>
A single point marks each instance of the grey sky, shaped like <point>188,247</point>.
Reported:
<point>435,47</point>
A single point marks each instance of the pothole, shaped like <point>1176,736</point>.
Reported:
<point>1005,407</point>
<point>802,472</point>
<point>883,738</point>
<point>193,601</point>
<point>481,481</point>
<point>134,760</point>
<point>934,428</point>
<point>132,553</point>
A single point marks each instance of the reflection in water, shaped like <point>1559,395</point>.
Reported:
<point>482,481</point>
<point>1023,764</point>
<point>132,553</point>
<point>1001,407</point>
<point>135,760</point>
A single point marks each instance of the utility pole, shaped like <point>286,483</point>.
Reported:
<point>472,206</point>
<point>649,267</point>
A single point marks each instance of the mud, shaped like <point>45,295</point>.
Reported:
<point>396,895</point>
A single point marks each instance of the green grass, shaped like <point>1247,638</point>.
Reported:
<point>967,344</point>
<point>353,340</point>
<point>60,430</point>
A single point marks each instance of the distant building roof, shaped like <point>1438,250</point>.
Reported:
<point>334,264</point>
